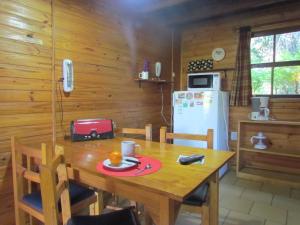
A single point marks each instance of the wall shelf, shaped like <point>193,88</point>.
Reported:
<point>157,81</point>
<point>292,180</point>
<point>268,152</point>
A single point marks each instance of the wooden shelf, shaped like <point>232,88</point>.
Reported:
<point>268,152</point>
<point>275,122</point>
<point>279,163</point>
<point>292,180</point>
<point>158,81</point>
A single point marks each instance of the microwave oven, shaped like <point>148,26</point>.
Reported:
<point>209,81</point>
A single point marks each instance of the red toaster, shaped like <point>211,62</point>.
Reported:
<point>91,129</point>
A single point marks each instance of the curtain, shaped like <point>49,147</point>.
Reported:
<point>241,90</point>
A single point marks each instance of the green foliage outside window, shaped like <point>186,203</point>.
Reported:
<point>276,66</point>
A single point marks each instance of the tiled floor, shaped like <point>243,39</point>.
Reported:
<point>244,202</point>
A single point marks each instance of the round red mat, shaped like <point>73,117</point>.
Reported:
<point>155,166</point>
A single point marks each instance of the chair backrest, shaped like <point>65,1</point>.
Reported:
<point>147,131</point>
<point>164,136</point>
<point>25,174</point>
<point>55,188</point>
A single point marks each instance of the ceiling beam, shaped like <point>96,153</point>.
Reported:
<point>162,4</point>
<point>211,9</point>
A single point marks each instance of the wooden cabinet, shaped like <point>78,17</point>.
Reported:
<point>280,162</point>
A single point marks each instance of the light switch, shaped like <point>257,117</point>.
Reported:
<point>233,135</point>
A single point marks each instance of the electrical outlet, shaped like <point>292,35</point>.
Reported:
<point>233,135</point>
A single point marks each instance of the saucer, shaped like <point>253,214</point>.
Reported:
<point>124,165</point>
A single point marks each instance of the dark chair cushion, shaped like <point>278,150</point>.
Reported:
<point>120,217</point>
<point>77,194</point>
<point>198,197</point>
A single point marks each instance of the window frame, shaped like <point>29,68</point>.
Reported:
<point>274,64</point>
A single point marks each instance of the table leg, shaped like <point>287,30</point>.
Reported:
<point>168,211</point>
<point>214,199</point>
<point>148,219</point>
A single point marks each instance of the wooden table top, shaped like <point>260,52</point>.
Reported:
<point>174,180</point>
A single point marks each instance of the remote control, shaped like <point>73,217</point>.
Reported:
<point>190,159</point>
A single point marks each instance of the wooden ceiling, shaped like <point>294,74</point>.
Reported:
<point>181,12</point>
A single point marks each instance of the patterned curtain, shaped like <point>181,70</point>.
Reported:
<point>241,84</point>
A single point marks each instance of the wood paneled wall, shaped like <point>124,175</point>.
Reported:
<point>199,40</point>
<point>25,83</point>
<point>107,52</point>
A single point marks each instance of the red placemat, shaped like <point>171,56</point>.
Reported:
<point>155,166</point>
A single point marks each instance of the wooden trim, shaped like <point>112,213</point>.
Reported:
<point>133,131</point>
<point>18,189</point>
<point>32,176</point>
<point>276,31</point>
<point>164,136</point>
<point>60,187</point>
<point>53,83</point>
<point>35,213</point>
<point>26,150</point>
<point>147,132</point>
<point>276,64</point>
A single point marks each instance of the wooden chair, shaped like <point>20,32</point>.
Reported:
<point>26,176</point>
<point>208,138</point>
<point>147,132</point>
<point>55,190</point>
<point>199,198</point>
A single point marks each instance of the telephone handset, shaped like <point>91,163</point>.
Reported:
<point>68,75</point>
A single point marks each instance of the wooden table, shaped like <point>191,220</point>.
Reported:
<point>161,192</point>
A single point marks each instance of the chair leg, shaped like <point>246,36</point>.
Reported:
<point>99,204</point>
<point>20,216</point>
<point>205,215</point>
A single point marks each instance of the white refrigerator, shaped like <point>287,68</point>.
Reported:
<point>194,112</point>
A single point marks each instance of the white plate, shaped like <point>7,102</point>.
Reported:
<point>124,165</point>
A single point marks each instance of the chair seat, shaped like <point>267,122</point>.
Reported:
<point>198,197</point>
<point>119,217</point>
<point>77,194</point>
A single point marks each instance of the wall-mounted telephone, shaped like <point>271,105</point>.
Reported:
<point>68,75</point>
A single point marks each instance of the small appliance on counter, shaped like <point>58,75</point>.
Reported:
<point>260,110</point>
<point>91,129</point>
<point>258,141</point>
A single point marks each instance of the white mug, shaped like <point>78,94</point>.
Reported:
<point>144,75</point>
<point>128,148</point>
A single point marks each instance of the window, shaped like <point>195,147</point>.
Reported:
<point>275,63</point>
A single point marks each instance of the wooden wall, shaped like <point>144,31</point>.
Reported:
<point>107,53</point>
<point>25,83</point>
<point>199,40</point>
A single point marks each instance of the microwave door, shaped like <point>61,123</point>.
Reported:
<point>203,81</point>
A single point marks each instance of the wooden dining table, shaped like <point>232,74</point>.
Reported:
<point>161,192</point>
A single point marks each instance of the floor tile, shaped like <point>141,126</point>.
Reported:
<point>188,219</point>
<point>273,223</point>
<point>257,196</point>
<point>293,218</point>
<point>295,193</point>
<point>276,189</point>
<point>236,204</point>
<point>249,184</point>
<point>223,214</point>
<point>229,178</point>
<point>237,218</point>
<point>286,203</point>
<point>268,212</point>
<point>229,190</point>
